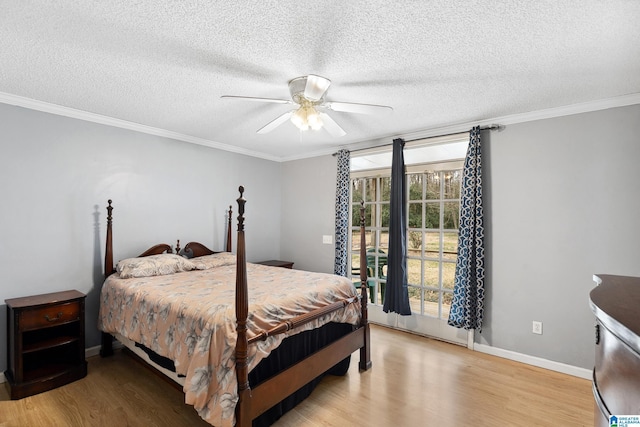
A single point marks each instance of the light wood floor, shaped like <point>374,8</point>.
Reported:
<point>414,381</point>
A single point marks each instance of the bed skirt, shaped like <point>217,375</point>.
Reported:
<point>291,350</point>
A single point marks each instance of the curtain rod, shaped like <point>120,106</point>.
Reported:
<point>490,127</point>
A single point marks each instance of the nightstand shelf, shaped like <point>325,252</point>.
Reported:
<point>48,343</point>
<point>48,373</point>
<point>45,342</point>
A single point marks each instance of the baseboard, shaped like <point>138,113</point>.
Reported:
<point>92,351</point>
<point>534,361</point>
<point>95,351</point>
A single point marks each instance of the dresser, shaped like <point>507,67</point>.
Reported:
<point>616,375</point>
<point>45,342</point>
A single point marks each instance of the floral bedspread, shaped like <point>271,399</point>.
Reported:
<point>189,317</point>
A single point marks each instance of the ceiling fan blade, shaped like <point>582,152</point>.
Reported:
<point>275,123</point>
<point>331,126</point>
<point>349,107</point>
<point>252,98</point>
<point>316,87</point>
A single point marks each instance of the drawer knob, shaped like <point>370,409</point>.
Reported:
<point>53,319</point>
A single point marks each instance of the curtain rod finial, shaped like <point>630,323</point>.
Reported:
<point>495,127</point>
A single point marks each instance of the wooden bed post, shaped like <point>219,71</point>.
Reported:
<point>106,347</point>
<point>229,225</point>
<point>365,350</point>
<point>108,253</point>
<point>243,408</point>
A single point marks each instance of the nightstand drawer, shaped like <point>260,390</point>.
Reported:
<point>49,316</point>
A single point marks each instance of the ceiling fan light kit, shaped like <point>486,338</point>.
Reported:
<point>308,92</point>
<point>306,117</point>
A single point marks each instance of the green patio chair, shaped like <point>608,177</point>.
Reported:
<point>373,273</point>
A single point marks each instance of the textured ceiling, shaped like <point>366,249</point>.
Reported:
<point>165,64</point>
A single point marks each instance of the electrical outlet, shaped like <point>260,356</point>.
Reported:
<point>327,239</point>
<point>537,327</point>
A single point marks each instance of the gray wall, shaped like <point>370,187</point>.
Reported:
<point>308,206</point>
<point>562,203</point>
<point>56,174</point>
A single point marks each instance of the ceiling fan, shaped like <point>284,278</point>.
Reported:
<point>308,96</point>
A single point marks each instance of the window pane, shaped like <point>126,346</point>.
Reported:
<point>384,241</point>
<point>451,215</point>
<point>432,244</point>
<point>385,214</point>
<point>414,298</point>
<point>431,303</point>
<point>433,185</point>
<point>357,188</point>
<point>446,304</point>
<point>370,216</point>
<point>355,216</point>
<point>415,242</point>
<point>450,249</point>
<point>431,274</point>
<point>355,266</point>
<point>355,240</point>
<point>452,183</point>
<point>414,271</point>
<point>432,215</point>
<point>415,215</point>
<point>385,188</point>
<point>415,186</point>
<point>448,275</point>
<point>378,292</point>
<point>371,239</point>
<point>370,195</point>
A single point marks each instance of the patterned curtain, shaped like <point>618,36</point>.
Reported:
<point>342,214</point>
<point>467,308</point>
<point>396,295</point>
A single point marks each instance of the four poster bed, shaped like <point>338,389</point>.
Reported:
<point>241,357</point>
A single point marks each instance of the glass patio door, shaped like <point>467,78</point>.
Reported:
<point>433,199</point>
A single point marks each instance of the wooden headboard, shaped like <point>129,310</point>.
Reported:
<point>192,249</point>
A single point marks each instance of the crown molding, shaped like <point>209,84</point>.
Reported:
<point>568,110</point>
<point>584,107</point>
<point>60,110</point>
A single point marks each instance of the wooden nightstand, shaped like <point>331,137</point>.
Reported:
<point>45,342</point>
<point>277,263</point>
